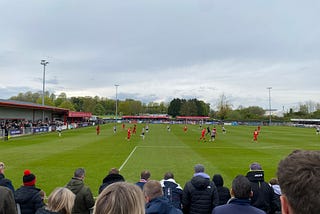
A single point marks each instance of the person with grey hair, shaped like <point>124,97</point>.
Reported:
<point>200,195</point>
<point>84,200</point>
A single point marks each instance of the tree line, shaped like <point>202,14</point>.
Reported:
<point>102,106</point>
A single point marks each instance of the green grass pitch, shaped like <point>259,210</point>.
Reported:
<point>53,159</point>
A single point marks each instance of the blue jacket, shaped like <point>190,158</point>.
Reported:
<point>239,206</point>
<point>161,205</point>
<point>6,182</point>
<point>173,192</point>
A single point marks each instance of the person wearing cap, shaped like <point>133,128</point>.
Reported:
<point>84,201</point>
<point>28,196</point>
<point>263,195</point>
<point>200,194</point>
<point>3,180</point>
<point>240,201</point>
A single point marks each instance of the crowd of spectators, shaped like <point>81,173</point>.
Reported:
<point>295,191</point>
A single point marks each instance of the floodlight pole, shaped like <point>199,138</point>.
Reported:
<point>116,85</point>
<point>269,88</point>
<point>44,63</point>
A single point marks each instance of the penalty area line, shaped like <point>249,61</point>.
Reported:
<point>125,162</point>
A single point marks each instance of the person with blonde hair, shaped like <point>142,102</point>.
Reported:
<point>61,201</point>
<point>120,198</point>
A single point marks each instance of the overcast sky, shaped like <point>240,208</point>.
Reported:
<point>159,50</point>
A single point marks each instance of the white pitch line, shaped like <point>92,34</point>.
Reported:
<point>124,163</point>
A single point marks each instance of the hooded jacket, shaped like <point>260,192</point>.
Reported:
<point>109,179</point>
<point>223,192</point>
<point>84,199</point>
<point>172,191</point>
<point>199,195</point>
<point>263,195</point>
<point>29,199</point>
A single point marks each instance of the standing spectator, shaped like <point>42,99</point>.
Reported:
<point>60,201</point>
<point>223,192</point>
<point>84,200</point>
<point>144,177</point>
<point>4,181</point>
<point>156,203</point>
<point>299,178</point>
<point>240,201</point>
<point>6,132</point>
<point>277,191</point>
<point>112,177</point>
<point>263,195</point>
<point>120,198</point>
<point>7,203</point>
<point>28,196</point>
<point>172,190</point>
<point>200,194</point>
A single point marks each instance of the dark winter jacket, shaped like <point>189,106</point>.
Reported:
<point>263,195</point>
<point>45,211</point>
<point>239,206</point>
<point>6,182</point>
<point>109,179</point>
<point>161,205</point>
<point>199,195</point>
<point>84,199</point>
<point>223,192</point>
<point>173,192</point>
<point>29,199</point>
<point>7,203</point>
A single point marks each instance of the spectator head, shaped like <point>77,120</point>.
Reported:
<point>218,180</point>
<point>61,200</point>
<point>80,173</point>
<point>168,175</point>
<point>29,179</point>
<point>152,189</point>
<point>274,181</point>
<point>145,175</point>
<point>299,178</point>
<point>198,168</point>
<point>2,167</point>
<point>114,171</point>
<point>255,166</point>
<point>120,198</point>
<point>241,187</point>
